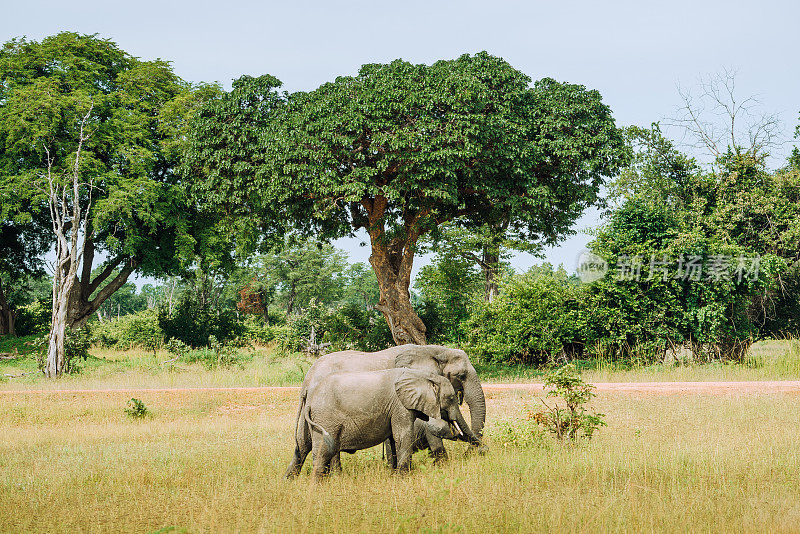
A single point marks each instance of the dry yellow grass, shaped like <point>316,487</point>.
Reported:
<point>114,369</point>
<point>212,462</point>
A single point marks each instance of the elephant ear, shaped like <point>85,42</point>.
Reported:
<point>429,358</point>
<point>417,391</point>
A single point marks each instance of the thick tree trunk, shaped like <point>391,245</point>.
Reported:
<point>292,297</point>
<point>490,265</point>
<point>392,265</point>
<point>63,285</point>
<point>392,259</point>
<point>6,315</point>
<point>55,365</point>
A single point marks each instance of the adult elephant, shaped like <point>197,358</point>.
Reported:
<point>452,364</point>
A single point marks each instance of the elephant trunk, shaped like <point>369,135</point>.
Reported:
<point>466,432</point>
<point>473,396</point>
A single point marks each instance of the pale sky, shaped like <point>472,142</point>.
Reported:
<point>635,53</point>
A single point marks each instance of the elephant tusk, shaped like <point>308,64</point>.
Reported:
<point>460,432</point>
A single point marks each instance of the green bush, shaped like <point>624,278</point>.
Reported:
<point>536,317</point>
<point>141,330</point>
<point>33,319</point>
<point>136,409</point>
<point>351,327</point>
<point>346,327</point>
<point>194,324</point>
<point>76,347</point>
<point>256,331</point>
<point>569,420</point>
<point>293,336</point>
<point>447,288</point>
<point>216,355</point>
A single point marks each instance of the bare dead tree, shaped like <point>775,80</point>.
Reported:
<point>70,219</point>
<point>715,119</point>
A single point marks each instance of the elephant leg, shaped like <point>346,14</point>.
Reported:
<point>336,462</point>
<point>436,447</point>
<point>390,452</point>
<point>321,458</point>
<point>404,449</point>
<point>302,448</point>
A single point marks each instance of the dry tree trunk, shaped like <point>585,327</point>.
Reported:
<point>392,260</point>
<point>69,219</point>
<point>6,315</point>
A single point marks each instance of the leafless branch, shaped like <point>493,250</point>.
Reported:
<point>715,119</point>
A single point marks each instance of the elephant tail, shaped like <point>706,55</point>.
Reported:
<point>297,419</point>
<point>327,439</point>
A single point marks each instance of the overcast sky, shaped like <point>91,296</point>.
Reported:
<point>635,53</point>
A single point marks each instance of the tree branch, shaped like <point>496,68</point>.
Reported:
<point>108,290</point>
<point>105,273</point>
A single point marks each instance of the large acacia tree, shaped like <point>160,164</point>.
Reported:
<point>90,135</point>
<point>399,149</point>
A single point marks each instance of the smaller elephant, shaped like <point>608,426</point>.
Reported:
<point>353,411</point>
<point>425,439</point>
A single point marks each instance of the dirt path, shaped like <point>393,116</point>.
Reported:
<point>654,388</point>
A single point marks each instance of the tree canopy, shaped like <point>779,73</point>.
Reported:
<point>91,135</point>
<point>399,149</point>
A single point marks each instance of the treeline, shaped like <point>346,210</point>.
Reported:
<point>691,262</point>
<point>120,167</point>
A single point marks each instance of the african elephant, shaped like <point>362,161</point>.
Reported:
<point>453,364</point>
<point>354,411</point>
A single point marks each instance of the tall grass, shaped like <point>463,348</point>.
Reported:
<point>213,462</point>
<point>135,368</point>
<point>766,360</point>
<point>261,366</point>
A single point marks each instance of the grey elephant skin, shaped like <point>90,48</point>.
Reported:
<point>452,364</point>
<point>354,411</point>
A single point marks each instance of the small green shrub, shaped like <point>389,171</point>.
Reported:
<point>520,433</point>
<point>572,421</point>
<point>136,409</point>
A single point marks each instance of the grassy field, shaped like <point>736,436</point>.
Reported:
<point>212,462</point>
<point>260,366</point>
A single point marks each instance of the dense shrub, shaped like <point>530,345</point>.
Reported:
<point>139,330</point>
<point>346,327</point>
<point>33,319</point>
<point>215,355</point>
<point>646,315</point>
<point>447,288</point>
<point>194,324</point>
<point>76,347</point>
<point>351,327</point>
<point>536,317</point>
<point>293,335</point>
<point>256,331</point>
